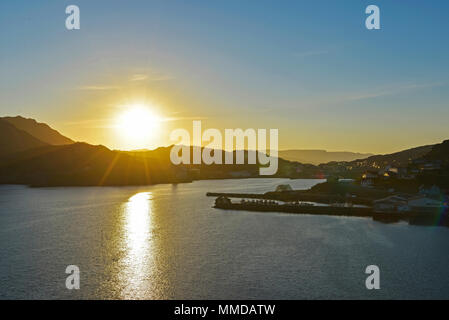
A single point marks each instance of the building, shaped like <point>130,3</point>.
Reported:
<point>424,204</point>
<point>431,165</point>
<point>240,174</point>
<point>369,178</point>
<point>430,191</point>
<point>283,188</point>
<point>393,169</point>
<point>405,174</point>
<point>222,201</point>
<point>389,174</point>
<point>426,165</point>
<point>391,204</point>
<point>404,203</point>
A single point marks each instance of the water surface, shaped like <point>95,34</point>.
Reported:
<point>167,242</point>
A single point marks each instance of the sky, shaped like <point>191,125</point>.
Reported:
<point>308,68</point>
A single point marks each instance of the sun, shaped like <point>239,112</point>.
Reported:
<point>138,125</point>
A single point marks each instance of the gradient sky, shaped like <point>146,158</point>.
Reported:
<point>309,68</point>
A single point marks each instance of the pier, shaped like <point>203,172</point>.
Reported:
<point>412,217</point>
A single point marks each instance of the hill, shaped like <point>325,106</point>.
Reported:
<point>317,157</point>
<point>38,130</point>
<point>14,140</point>
<point>81,164</point>
<point>25,159</point>
<point>354,169</point>
<point>400,158</point>
<point>439,152</point>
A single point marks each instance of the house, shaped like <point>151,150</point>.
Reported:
<point>332,179</point>
<point>426,165</point>
<point>222,201</point>
<point>240,174</point>
<point>391,204</point>
<point>431,165</point>
<point>389,174</point>
<point>393,169</point>
<point>283,188</point>
<point>403,173</point>
<point>430,191</point>
<point>424,204</point>
<point>369,178</point>
<point>404,203</point>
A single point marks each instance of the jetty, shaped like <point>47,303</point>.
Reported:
<point>412,217</point>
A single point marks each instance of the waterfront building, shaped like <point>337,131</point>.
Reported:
<point>283,188</point>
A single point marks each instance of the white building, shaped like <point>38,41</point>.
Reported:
<point>406,203</point>
<point>391,204</point>
<point>424,204</point>
<point>283,187</point>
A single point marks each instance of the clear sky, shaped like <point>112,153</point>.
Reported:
<point>309,68</point>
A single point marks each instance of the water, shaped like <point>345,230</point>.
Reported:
<point>166,242</point>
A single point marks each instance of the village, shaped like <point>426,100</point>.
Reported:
<point>428,198</point>
<point>385,193</point>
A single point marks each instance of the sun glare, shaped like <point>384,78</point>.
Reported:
<point>137,125</point>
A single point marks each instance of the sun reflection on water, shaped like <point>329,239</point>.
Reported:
<point>138,222</point>
<point>138,258</point>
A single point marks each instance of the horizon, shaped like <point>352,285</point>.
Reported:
<point>170,145</point>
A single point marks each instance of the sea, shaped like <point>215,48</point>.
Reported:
<point>168,242</point>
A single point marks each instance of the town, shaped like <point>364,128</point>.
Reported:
<point>411,186</point>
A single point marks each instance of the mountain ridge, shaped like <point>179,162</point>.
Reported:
<point>318,156</point>
<point>24,159</point>
<point>15,140</point>
<point>39,130</point>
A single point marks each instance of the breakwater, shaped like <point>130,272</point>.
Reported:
<point>412,217</point>
<point>297,195</point>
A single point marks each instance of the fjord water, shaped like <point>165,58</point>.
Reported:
<point>167,242</point>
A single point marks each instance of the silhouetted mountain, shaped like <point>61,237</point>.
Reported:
<point>38,130</point>
<point>400,158</point>
<point>14,140</point>
<point>354,169</point>
<point>439,152</point>
<point>286,169</point>
<point>317,157</point>
<point>24,159</point>
<point>81,164</point>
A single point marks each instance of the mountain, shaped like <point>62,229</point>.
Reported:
<point>82,164</point>
<point>439,152</point>
<point>25,159</point>
<point>40,131</point>
<point>400,158</point>
<point>14,140</point>
<point>354,169</point>
<point>317,157</point>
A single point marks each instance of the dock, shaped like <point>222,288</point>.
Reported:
<point>412,217</point>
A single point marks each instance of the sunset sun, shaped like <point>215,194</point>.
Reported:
<point>137,125</point>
